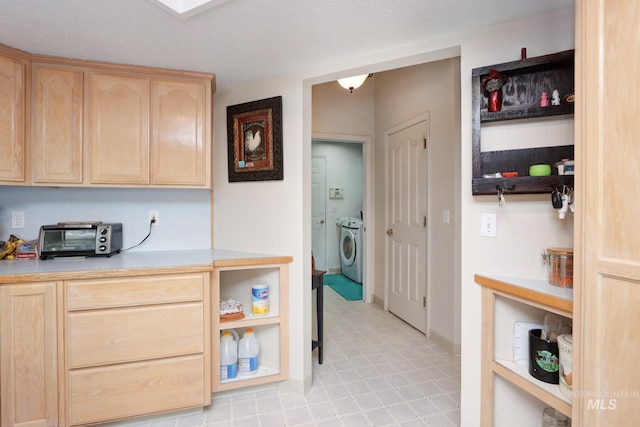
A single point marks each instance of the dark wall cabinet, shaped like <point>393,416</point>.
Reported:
<point>526,80</point>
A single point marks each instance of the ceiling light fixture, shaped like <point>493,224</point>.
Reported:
<point>354,82</point>
<point>187,8</point>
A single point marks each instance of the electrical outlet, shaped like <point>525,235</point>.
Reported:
<point>154,215</point>
<point>17,219</point>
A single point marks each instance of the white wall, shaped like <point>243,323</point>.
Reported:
<point>184,214</point>
<point>344,170</point>
<point>525,226</point>
<point>269,216</point>
<point>402,94</point>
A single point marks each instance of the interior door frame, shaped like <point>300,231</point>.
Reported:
<point>368,195</point>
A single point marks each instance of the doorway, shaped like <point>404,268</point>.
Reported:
<point>388,98</point>
<point>340,190</point>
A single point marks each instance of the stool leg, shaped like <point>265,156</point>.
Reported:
<point>319,310</point>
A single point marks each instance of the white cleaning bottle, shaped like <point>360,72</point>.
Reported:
<point>228,356</point>
<point>248,353</point>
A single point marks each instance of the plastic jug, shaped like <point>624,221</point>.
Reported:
<point>248,353</point>
<point>228,356</point>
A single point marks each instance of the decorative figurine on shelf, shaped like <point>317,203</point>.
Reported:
<point>544,100</point>
<point>493,85</point>
<point>555,97</point>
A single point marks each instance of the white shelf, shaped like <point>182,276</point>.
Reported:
<point>541,286</point>
<point>263,371</point>
<point>548,393</point>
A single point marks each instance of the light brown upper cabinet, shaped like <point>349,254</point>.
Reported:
<point>99,124</point>
<point>150,131</point>
<point>119,129</point>
<point>12,119</point>
<point>57,122</point>
<point>178,132</point>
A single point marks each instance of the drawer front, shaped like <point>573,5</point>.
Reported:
<point>114,392</point>
<point>130,334</point>
<point>127,291</point>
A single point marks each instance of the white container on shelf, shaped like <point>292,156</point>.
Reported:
<point>228,356</point>
<point>260,298</point>
<point>248,353</point>
<point>565,348</point>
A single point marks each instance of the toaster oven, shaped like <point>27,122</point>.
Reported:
<point>87,239</point>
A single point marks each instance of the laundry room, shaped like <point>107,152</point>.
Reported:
<point>337,199</point>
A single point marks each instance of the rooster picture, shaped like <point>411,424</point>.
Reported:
<point>252,141</point>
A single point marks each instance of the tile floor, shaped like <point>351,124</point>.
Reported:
<point>377,371</point>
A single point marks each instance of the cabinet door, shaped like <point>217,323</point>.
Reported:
<point>126,390</point>
<point>28,355</point>
<point>179,154</point>
<point>12,105</point>
<point>607,342</point>
<point>119,129</point>
<point>57,126</point>
<point>100,337</point>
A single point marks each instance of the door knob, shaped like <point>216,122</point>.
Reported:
<point>322,221</point>
<point>390,232</point>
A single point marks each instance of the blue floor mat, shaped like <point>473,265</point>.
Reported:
<point>347,288</point>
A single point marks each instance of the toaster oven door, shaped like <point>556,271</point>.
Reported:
<point>60,242</point>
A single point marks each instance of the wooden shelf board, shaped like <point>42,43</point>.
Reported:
<point>520,185</point>
<point>515,113</point>
<point>519,376</point>
<point>537,291</point>
<point>251,321</point>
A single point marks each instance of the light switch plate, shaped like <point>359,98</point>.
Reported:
<point>488,225</point>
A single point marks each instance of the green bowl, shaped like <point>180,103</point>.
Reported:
<point>540,170</point>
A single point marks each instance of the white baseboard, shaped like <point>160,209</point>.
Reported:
<point>444,342</point>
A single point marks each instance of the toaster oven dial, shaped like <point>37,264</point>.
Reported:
<point>102,239</point>
<point>102,248</point>
<point>104,231</point>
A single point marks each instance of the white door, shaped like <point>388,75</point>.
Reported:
<point>318,211</point>
<point>406,248</point>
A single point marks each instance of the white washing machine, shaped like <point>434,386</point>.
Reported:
<point>351,248</point>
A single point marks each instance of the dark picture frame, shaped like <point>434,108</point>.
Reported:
<point>254,139</point>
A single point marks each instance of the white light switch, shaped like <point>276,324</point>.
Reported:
<point>488,225</point>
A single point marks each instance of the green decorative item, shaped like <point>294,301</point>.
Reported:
<point>540,170</point>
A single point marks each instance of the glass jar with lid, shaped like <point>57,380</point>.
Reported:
<point>554,418</point>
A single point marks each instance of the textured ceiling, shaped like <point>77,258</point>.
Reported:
<point>242,40</point>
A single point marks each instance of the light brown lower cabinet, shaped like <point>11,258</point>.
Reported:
<point>126,390</point>
<point>28,355</point>
<point>136,346</point>
<point>78,352</point>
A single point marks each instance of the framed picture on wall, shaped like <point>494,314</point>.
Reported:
<point>254,138</point>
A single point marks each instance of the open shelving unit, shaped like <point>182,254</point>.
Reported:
<point>522,295</point>
<point>234,280</point>
<point>527,79</point>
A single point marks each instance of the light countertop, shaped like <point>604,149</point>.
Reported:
<point>135,263</point>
